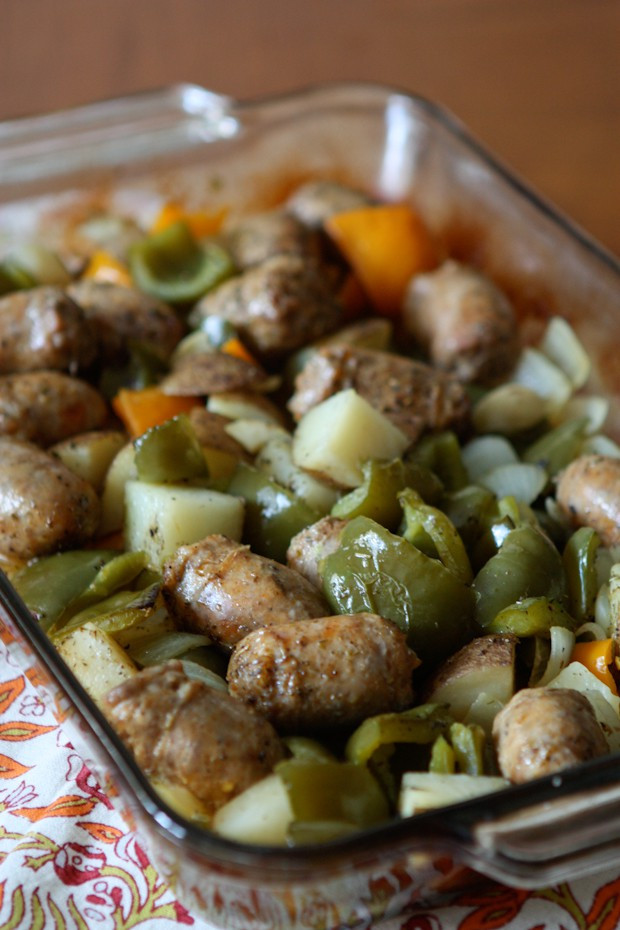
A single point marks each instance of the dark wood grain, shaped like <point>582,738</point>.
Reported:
<point>538,81</point>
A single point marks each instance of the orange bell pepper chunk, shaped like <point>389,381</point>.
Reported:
<point>385,244</point>
<point>103,266</point>
<point>234,346</point>
<point>141,409</point>
<point>598,657</point>
<point>202,223</point>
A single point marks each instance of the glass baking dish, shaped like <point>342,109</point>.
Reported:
<point>187,143</point>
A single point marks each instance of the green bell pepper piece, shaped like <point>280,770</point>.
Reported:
<point>170,453</point>
<point>556,448</point>
<point>468,743</point>
<point>377,496</point>
<point>333,791</point>
<point>469,510</point>
<point>273,515</point>
<point>420,724</point>
<point>113,614</point>
<point>425,522</point>
<point>14,278</point>
<point>441,453</point>
<point>50,585</point>
<point>579,559</point>
<point>443,759</point>
<point>531,616</point>
<point>375,570</point>
<point>172,266</point>
<point>527,564</point>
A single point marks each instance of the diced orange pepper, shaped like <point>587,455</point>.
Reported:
<point>598,657</point>
<point>202,223</point>
<point>385,244</point>
<point>234,346</point>
<point>103,266</point>
<point>141,409</point>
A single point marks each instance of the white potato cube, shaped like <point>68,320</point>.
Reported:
<point>337,436</point>
<point>113,497</point>
<point>260,814</point>
<point>90,455</point>
<point>161,517</point>
<point>96,660</point>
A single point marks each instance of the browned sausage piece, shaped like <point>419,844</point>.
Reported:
<point>414,396</point>
<point>44,507</point>
<point>463,321</point>
<point>325,672</point>
<point>202,373</point>
<point>309,547</point>
<point>189,734</point>
<point>120,315</point>
<point>47,406</point>
<point>221,588</point>
<point>277,306</point>
<point>544,730</point>
<point>315,201</point>
<point>256,238</point>
<point>588,492</point>
<point>43,328</point>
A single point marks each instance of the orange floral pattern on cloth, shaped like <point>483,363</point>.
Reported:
<point>69,862</point>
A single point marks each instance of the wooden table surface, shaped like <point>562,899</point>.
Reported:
<point>538,81</point>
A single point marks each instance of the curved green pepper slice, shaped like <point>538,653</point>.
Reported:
<point>422,724</point>
<point>273,515</point>
<point>441,453</point>
<point>531,616</point>
<point>51,584</point>
<point>556,448</point>
<point>579,559</point>
<point>423,522</point>
<point>170,452</point>
<point>377,496</point>
<point>527,564</point>
<point>375,570</point>
<point>172,266</point>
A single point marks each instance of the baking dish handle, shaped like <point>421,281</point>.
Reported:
<point>112,134</point>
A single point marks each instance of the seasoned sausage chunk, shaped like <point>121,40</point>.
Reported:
<point>309,547</point>
<point>47,406</point>
<point>463,321</point>
<point>44,506</point>
<point>414,396</point>
<point>545,730</point>
<point>186,733</point>
<point>202,373</point>
<point>325,672</point>
<point>277,306</point>
<point>315,201</point>
<point>43,328</point>
<point>588,492</point>
<point>121,315</point>
<point>256,238</point>
<point>221,588</point>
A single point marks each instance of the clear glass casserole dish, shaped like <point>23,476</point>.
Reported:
<point>189,144</point>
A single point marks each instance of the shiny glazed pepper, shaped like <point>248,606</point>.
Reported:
<point>422,724</point>
<point>531,616</point>
<point>377,496</point>
<point>527,564</point>
<point>579,559</point>
<point>375,570</point>
<point>170,452</point>
<point>424,523</point>
<point>273,515</point>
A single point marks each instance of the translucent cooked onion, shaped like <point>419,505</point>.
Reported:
<point>43,265</point>
<point>561,345</point>
<point>601,445</point>
<point>485,453</point>
<point>167,646</point>
<point>537,372</point>
<point>421,791</point>
<point>508,409</point>
<point>593,409</point>
<point>562,644</point>
<point>593,630</point>
<point>520,480</point>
